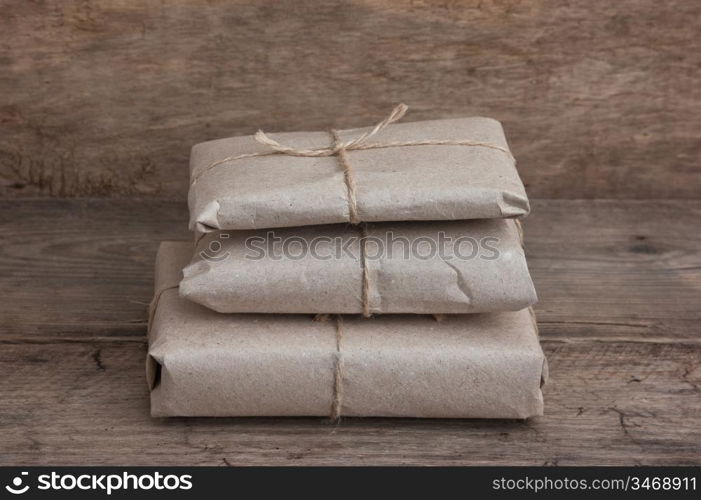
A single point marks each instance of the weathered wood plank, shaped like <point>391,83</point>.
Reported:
<point>610,269</point>
<point>610,403</point>
<point>599,98</point>
<point>603,269</point>
<point>76,268</point>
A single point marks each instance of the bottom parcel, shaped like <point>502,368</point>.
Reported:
<point>204,363</point>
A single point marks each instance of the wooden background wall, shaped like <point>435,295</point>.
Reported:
<point>599,98</point>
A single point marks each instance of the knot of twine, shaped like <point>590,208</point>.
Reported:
<point>340,148</point>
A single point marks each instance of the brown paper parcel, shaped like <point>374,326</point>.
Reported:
<point>202,363</point>
<point>412,267</point>
<point>396,183</point>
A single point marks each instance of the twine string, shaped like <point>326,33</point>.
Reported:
<point>365,295</point>
<point>337,399</point>
<point>338,372</point>
<point>348,177</point>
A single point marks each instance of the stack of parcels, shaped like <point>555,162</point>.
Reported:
<point>366,272</point>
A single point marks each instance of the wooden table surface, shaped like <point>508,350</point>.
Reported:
<point>619,316</point>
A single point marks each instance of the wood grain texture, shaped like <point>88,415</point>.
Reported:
<point>619,283</point>
<point>599,99</point>
<point>616,269</point>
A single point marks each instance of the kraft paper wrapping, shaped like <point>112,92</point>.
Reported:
<point>436,182</point>
<point>202,363</point>
<point>443,267</point>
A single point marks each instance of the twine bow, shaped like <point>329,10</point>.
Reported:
<point>397,113</point>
